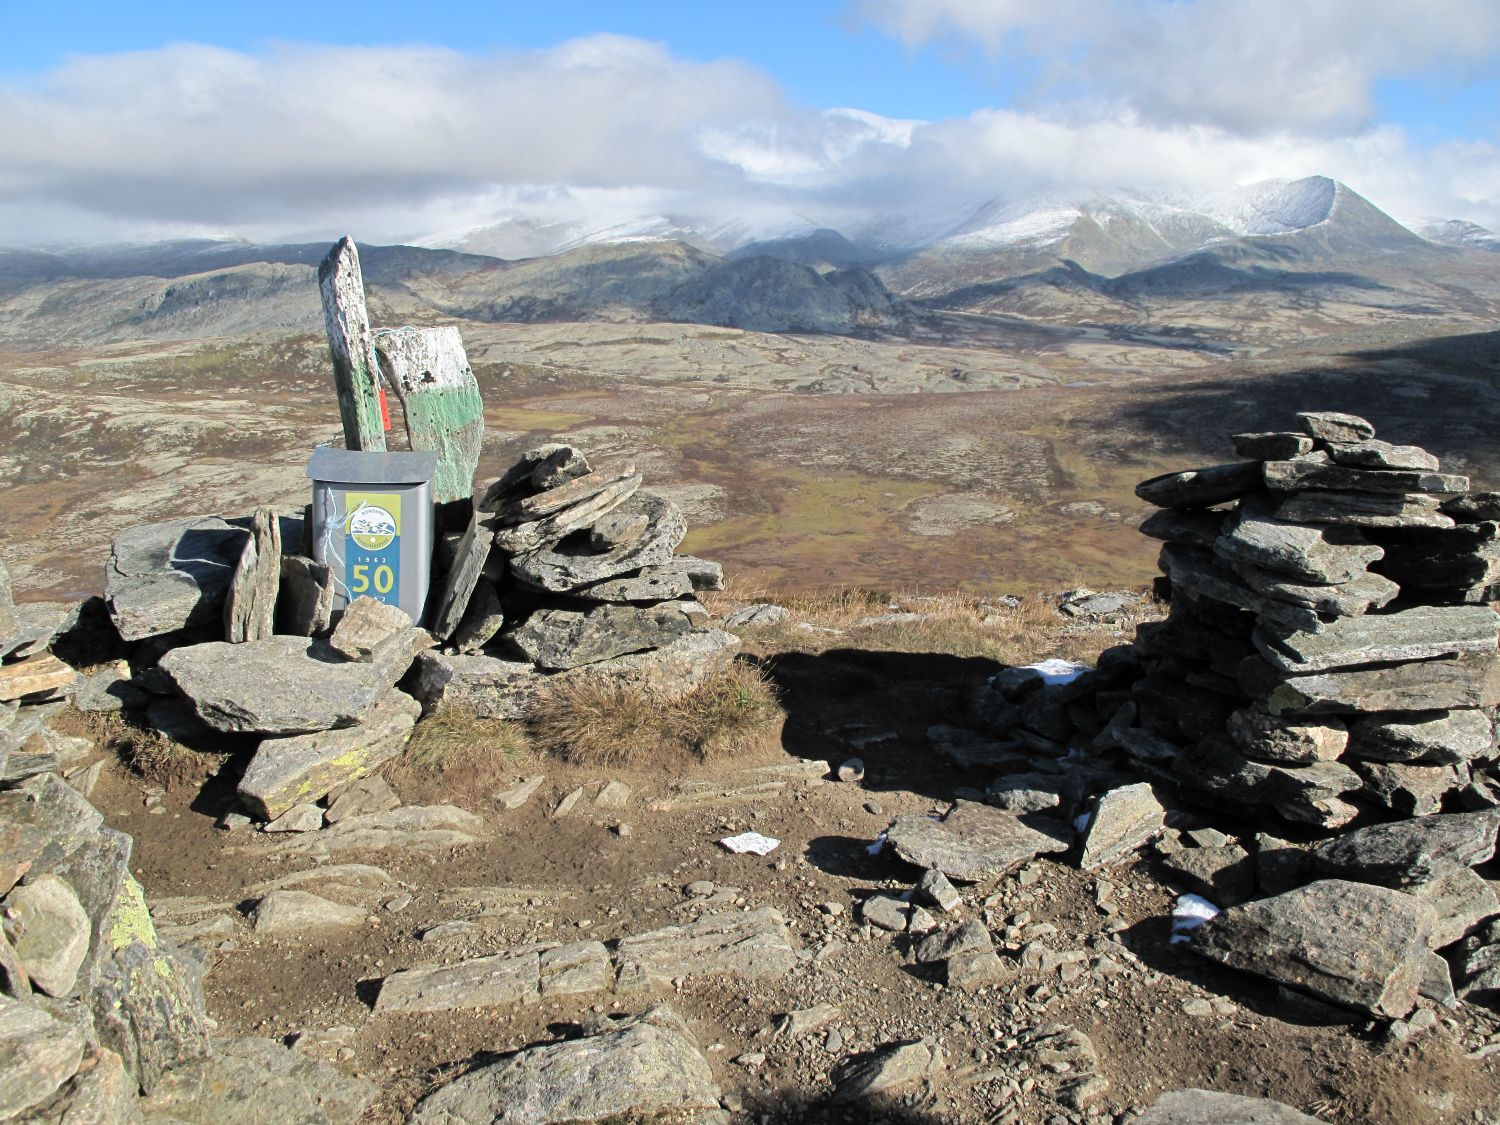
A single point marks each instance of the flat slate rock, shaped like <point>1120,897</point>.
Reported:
<point>298,912</point>
<point>1201,488</point>
<point>37,1055</point>
<point>1460,897</point>
<point>250,602</point>
<point>886,1070</point>
<point>1209,1107</point>
<point>649,1069</point>
<point>1329,425</point>
<point>1273,738</point>
<point>1419,633</point>
<point>1367,591</point>
<point>1354,944</point>
<point>1424,685</point>
<point>1314,554</point>
<point>1436,737</point>
<point>1372,454</point>
<point>1196,527</point>
<point>562,571</point>
<point>290,771</point>
<point>558,639</point>
<point>284,685</point>
<point>755,943</point>
<point>512,977</point>
<point>1409,790</point>
<point>413,827</point>
<point>1363,509</point>
<point>163,577</point>
<point>1197,572</point>
<point>1409,851</point>
<point>1296,476</point>
<point>976,843</point>
<point>1272,446</point>
<point>1122,820</point>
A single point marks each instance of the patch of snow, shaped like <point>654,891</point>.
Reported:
<point>877,846</point>
<point>1190,912</point>
<point>1057,671</point>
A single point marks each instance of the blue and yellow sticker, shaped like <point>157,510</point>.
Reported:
<point>372,545</point>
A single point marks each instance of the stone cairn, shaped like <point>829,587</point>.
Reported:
<point>566,570</point>
<point>1330,649</point>
<point>1314,720</point>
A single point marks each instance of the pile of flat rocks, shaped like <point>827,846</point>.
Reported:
<point>102,1018</point>
<point>568,570</point>
<point>1330,649</point>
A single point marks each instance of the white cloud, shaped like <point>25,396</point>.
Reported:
<point>1267,64</point>
<point>302,142</point>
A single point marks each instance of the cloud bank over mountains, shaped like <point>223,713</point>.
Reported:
<point>401,143</point>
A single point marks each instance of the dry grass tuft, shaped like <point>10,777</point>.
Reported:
<point>149,754</point>
<point>957,624</point>
<point>459,752</point>
<point>598,722</point>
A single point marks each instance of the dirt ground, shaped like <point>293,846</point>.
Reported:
<point>1158,1017</point>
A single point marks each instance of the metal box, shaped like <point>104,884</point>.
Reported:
<point>372,524</point>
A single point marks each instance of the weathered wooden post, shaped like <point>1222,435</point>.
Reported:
<point>356,373</point>
<point>439,396</point>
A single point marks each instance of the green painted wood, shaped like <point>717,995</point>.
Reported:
<point>356,373</point>
<point>439,395</point>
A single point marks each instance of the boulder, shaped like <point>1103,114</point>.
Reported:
<point>37,1055</point>
<point>290,771</point>
<point>1405,852</point>
<point>1426,685</point>
<point>486,687</point>
<point>1366,592</point>
<point>1210,1107</point>
<point>250,602</point>
<point>304,604</point>
<point>1363,509</point>
<point>1223,873</point>
<point>482,621</point>
<point>147,1002</point>
<point>886,1070</point>
<point>38,675</point>
<point>1459,897</point>
<point>761,613</point>
<point>102,1091</point>
<point>229,1090</point>
<point>341,1097</point>
<point>756,943</point>
<point>564,568</point>
<point>366,627</point>
<point>356,798</point>
<point>1193,526</point>
<point>1272,446</point>
<point>1371,454</point>
<point>567,638</point>
<point>1353,944</point>
<point>49,930</point>
<point>285,685</point>
<point>523,975</point>
<point>1122,820</point>
<point>164,577</point>
<point>1329,425</point>
<point>1419,633</point>
<point>648,1068</point>
<point>296,912</point>
<point>1201,488</point>
<point>1432,737</point>
<point>1409,790</point>
<point>1273,738</point>
<point>1316,555</point>
<point>1476,964</point>
<point>649,584</point>
<point>1296,476</point>
<point>974,842</point>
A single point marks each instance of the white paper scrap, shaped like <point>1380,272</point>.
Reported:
<point>1055,671</point>
<point>751,843</point>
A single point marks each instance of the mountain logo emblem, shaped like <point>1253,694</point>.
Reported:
<point>372,527</point>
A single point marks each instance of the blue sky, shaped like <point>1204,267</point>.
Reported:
<point>178,117</point>
<point>820,52</point>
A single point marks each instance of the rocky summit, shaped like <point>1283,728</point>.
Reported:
<point>267,860</point>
